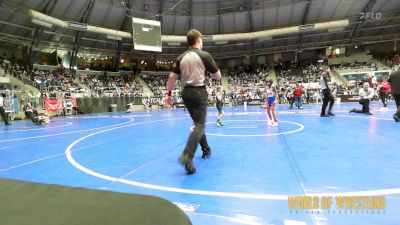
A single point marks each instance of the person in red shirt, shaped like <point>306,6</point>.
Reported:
<point>298,93</point>
<point>384,90</point>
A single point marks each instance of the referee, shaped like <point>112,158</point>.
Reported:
<point>327,96</point>
<point>192,66</point>
<point>394,81</point>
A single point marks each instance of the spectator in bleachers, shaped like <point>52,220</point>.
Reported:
<point>157,85</point>
<point>245,84</point>
<point>390,60</point>
<point>290,74</point>
<point>371,65</point>
<point>109,86</point>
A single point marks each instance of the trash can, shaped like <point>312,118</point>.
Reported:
<point>113,108</point>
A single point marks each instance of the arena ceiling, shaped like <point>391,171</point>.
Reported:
<point>208,16</point>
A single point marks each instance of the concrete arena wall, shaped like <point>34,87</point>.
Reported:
<point>100,105</point>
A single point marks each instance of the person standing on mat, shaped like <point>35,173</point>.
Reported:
<point>219,95</point>
<point>384,91</point>
<point>290,97</point>
<point>272,94</point>
<point>3,112</point>
<point>298,95</point>
<point>394,81</point>
<point>192,66</point>
<point>327,96</point>
<point>366,93</point>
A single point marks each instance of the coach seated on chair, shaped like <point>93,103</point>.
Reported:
<point>366,94</point>
<point>31,113</point>
<point>3,113</point>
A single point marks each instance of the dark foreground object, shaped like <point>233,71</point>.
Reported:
<point>42,204</point>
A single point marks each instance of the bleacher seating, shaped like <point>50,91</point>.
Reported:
<point>390,60</point>
<point>111,86</point>
<point>158,83</point>
<point>247,84</point>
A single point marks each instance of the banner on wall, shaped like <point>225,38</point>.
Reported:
<point>52,105</point>
<point>55,105</point>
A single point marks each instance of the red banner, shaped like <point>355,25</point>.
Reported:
<point>74,102</point>
<point>55,105</point>
<point>52,105</point>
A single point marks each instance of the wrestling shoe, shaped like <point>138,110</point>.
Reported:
<point>275,124</point>
<point>218,124</point>
<point>206,153</point>
<point>188,163</point>
<point>353,110</point>
<point>7,123</point>
<point>331,114</point>
<point>323,115</point>
<point>368,113</point>
<point>270,122</point>
<point>396,118</point>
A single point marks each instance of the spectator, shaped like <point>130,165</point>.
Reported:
<point>298,93</point>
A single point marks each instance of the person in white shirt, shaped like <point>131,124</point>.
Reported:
<point>130,107</point>
<point>272,95</point>
<point>366,93</point>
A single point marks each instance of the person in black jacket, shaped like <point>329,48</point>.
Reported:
<point>192,66</point>
<point>2,111</point>
<point>33,115</point>
<point>394,81</point>
<point>327,95</point>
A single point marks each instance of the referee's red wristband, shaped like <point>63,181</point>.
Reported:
<point>169,93</point>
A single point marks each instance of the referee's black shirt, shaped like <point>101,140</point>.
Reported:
<point>394,80</point>
<point>192,66</point>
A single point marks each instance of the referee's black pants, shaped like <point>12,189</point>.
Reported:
<point>327,99</point>
<point>195,100</point>
<point>3,115</point>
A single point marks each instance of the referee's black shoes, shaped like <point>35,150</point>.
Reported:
<point>206,153</point>
<point>186,161</point>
